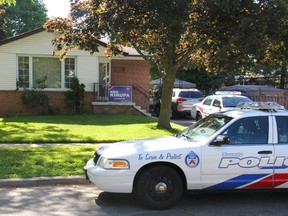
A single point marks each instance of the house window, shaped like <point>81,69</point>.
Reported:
<point>69,71</point>
<point>23,71</point>
<point>51,72</point>
<point>48,70</point>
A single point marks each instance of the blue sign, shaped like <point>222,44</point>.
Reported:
<point>120,94</point>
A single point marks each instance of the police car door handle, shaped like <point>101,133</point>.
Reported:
<point>265,152</point>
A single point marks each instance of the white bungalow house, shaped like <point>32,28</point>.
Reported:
<point>28,56</point>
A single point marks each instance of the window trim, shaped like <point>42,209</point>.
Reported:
<point>62,68</point>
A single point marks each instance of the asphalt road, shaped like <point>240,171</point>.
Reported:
<point>183,121</point>
<point>82,200</point>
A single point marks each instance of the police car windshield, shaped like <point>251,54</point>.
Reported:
<point>204,128</point>
<point>233,101</point>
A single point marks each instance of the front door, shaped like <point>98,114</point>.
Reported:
<point>246,162</point>
<point>104,81</point>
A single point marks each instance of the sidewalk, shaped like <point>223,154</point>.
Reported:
<point>43,181</point>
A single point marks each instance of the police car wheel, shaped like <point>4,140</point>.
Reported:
<point>198,116</point>
<point>159,187</point>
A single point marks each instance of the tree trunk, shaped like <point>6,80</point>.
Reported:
<point>283,75</point>
<point>166,98</point>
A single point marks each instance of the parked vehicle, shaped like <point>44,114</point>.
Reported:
<point>221,101</point>
<point>235,149</point>
<point>183,101</point>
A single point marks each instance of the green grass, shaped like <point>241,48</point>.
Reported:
<point>28,162</point>
<point>79,128</point>
<point>42,161</point>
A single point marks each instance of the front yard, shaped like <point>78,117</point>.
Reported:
<point>40,160</point>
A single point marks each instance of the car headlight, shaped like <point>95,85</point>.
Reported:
<point>106,163</point>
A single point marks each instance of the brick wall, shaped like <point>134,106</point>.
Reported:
<point>11,103</point>
<point>124,72</point>
<point>132,72</point>
<point>115,109</point>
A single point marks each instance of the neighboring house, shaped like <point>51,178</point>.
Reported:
<point>28,57</point>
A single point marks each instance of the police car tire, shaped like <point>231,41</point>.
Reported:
<point>160,175</point>
<point>198,116</point>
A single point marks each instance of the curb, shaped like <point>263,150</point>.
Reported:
<point>44,181</point>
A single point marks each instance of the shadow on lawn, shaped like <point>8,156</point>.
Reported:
<point>93,119</point>
<point>21,133</point>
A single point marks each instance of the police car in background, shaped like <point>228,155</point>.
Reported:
<point>221,101</point>
<point>238,149</point>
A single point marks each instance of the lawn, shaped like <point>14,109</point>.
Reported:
<point>40,160</point>
<point>79,128</point>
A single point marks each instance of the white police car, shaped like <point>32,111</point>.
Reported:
<point>221,101</point>
<point>239,149</point>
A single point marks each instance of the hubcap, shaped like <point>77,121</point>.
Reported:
<point>161,187</point>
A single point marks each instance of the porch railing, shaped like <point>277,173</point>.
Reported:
<point>100,92</point>
<point>140,95</point>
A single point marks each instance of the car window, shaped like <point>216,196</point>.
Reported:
<point>233,101</point>
<point>204,128</point>
<point>282,127</point>
<point>216,103</point>
<point>252,130</point>
<point>207,101</point>
<point>190,94</point>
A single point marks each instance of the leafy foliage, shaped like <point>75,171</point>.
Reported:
<point>75,96</point>
<point>7,2</point>
<point>35,98</point>
<point>218,35</point>
<point>24,16</point>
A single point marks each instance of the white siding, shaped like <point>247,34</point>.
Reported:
<point>87,71</point>
<point>40,45</point>
<point>7,71</point>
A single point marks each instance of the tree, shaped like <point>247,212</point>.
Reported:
<point>276,46</point>
<point>9,2</point>
<point>25,15</point>
<point>3,22</point>
<point>167,32</point>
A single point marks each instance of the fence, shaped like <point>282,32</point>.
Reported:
<point>280,97</point>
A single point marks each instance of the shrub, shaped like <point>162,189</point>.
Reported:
<point>35,98</point>
<point>74,97</point>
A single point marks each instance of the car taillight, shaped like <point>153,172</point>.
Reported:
<point>200,100</point>
<point>180,100</point>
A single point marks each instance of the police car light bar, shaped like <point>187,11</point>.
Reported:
<point>227,93</point>
<point>268,106</point>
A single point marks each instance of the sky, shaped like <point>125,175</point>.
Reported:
<point>57,8</point>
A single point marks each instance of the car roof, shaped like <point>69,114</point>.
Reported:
<point>244,113</point>
<point>227,96</point>
<point>190,89</point>
<point>256,109</point>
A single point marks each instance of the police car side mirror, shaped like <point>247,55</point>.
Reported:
<point>221,140</point>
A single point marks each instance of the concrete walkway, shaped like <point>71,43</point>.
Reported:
<point>42,181</point>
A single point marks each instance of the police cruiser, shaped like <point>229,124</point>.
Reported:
<point>221,101</point>
<point>238,149</point>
